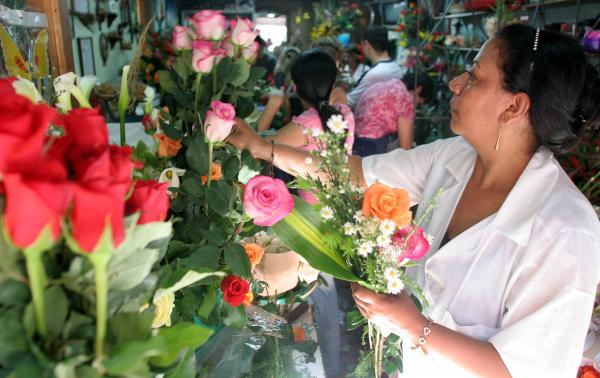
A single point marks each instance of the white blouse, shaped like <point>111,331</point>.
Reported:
<point>523,279</point>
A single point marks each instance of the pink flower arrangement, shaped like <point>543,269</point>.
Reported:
<point>267,200</point>
<point>242,32</point>
<point>219,121</point>
<point>181,38</point>
<point>413,242</point>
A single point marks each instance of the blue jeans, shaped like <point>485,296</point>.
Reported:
<point>368,146</point>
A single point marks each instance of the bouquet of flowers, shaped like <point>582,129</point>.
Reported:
<point>367,237</point>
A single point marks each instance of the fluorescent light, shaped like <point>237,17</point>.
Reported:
<point>271,15</point>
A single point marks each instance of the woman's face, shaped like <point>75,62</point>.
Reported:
<point>479,100</point>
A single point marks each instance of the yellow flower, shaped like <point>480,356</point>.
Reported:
<point>306,16</point>
<point>163,308</point>
<point>298,19</point>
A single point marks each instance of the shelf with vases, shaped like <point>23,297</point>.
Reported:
<point>461,15</point>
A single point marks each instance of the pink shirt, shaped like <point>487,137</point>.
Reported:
<point>379,108</point>
<point>310,120</point>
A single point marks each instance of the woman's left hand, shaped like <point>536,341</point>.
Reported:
<point>396,313</point>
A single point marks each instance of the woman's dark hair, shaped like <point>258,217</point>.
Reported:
<point>314,73</point>
<point>424,81</point>
<point>563,89</point>
<point>377,36</point>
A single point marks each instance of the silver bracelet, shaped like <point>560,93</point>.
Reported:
<point>426,331</point>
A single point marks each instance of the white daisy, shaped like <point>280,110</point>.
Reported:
<point>359,216</point>
<point>337,124</point>
<point>323,153</point>
<point>391,273</point>
<point>308,160</point>
<point>349,229</point>
<point>365,248</point>
<point>316,132</point>
<point>387,227</point>
<point>383,241</point>
<point>394,286</point>
<point>326,213</point>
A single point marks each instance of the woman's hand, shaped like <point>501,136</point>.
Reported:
<point>243,137</point>
<point>395,313</point>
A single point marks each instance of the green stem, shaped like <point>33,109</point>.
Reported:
<point>100,263</point>
<point>214,81</point>
<point>210,157</point>
<point>37,282</point>
<point>197,99</point>
<point>122,128</point>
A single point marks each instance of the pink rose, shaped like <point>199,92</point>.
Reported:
<point>242,32</point>
<point>203,57</point>
<point>416,246</point>
<point>209,24</point>
<point>228,47</point>
<point>267,200</point>
<point>219,121</point>
<point>250,53</point>
<point>181,38</point>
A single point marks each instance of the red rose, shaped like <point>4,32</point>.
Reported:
<point>86,129</point>
<point>100,168</point>
<point>23,128</point>
<point>151,199</point>
<point>93,210</point>
<point>33,204</point>
<point>234,289</point>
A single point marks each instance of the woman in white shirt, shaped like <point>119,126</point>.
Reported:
<point>511,292</point>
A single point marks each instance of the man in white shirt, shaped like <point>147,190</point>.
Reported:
<point>376,47</point>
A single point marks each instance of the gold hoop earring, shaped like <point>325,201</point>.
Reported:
<point>497,146</point>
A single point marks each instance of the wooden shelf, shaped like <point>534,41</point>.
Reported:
<point>461,15</point>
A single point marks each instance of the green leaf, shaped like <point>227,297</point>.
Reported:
<point>219,197</point>
<point>133,260</point>
<point>171,131</point>
<point>13,292</point>
<point>230,167</point>
<point>26,368</point>
<point>240,73</point>
<point>177,337</point>
<point>182,65</point>
<point>354,319</point>
<point>191,186</point>
<point>244,107</point>
<point>249,161</point>
<point>256,73</point>
<point>86,371</point>
<point>197,155</point>
<point>189,278</point>
<point>233,316</point>
<point>207,257</point>
<point>208,303</point>
<point>186,367</point>
<point>131,326</point>
<point>167,83</point>
<point>237,260</point>
<point>13,343</point>
<point>75,324</point>
<point>67,368</point>
<point>301,232</point>
<point>57,309</point>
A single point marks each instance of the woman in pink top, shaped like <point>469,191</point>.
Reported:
<point>314,74</point>
<point>386,111</point>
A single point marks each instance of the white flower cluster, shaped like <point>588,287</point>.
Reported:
<point>337,124</point>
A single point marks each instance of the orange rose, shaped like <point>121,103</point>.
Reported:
<point>387,203</point>
<point>299,334</point>
<point>249,298</point>
<point>167,147</point>
<point>215,173</point>
<point>254,252</point>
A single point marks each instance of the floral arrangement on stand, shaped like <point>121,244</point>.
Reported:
<point>364,237</point>
<point>332,19</point>
<point>82,232</point>
<point>158,55</point>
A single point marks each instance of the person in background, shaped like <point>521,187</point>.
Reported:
<point>266,59</point>
<point>353,63</point>
<point>283,69</point>
<point>385,113</point>
<point>376,47</point>
<point>334,48</point>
